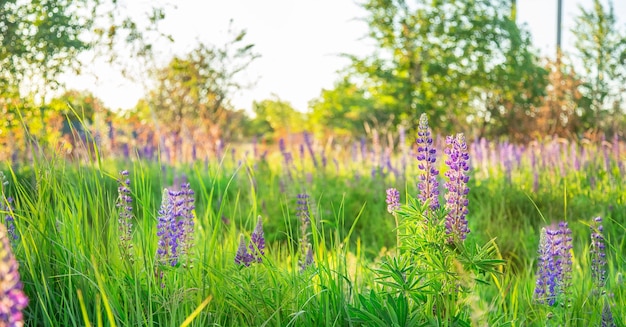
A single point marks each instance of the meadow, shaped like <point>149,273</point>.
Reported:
<point>306,233</point>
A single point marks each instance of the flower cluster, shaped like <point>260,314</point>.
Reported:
<point>175,224</point>
<point>598,254</point>
<point>303,214</point>
<point>254,252</point>
<point>392,200</point>
<point>554,263</point>
<point>457,190</point>
<point>12,297</point>
<point>426,157</point>
<point>125,221</point>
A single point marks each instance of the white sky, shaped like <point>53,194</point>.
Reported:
<point>299,43</point>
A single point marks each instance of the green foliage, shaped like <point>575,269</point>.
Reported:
<point>43,38</point>
<point>601,48</point>
<point>451,59</point>
<point>194,91</point>
<point>275,118</point>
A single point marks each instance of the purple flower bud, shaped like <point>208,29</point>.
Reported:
<point>12,299</point>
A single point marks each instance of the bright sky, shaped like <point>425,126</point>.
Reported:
<point>299,43</point>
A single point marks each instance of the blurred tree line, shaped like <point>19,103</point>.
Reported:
<point>467,64</point>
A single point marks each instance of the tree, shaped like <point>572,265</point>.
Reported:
<point>275,118</point>
<point>439,57</point>
<point>193,92</point>
<point>601,48</point>
<point>344,109</point>
<point>40,39</point>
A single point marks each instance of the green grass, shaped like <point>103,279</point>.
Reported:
<point>75,275</point>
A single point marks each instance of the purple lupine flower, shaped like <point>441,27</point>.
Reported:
<point>125,220</point>
<point>554,264</point>
<point>163,228</point>
<point>12,297</point>
<point>607,315</point>
<point>393,200</point>
<point>175,224</point>
<point>456,197</point>
<point>186,217</point>
<point>426,157</point>
<point>308,141</point>
<point>598,254</point>
<point>302,212</point>
<point>257,242</point>
<point>242,257</point>
<point>6,205</point>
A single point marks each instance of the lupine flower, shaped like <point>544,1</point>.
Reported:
<point>125,207</point>
<point>393,200</point>
<point>426,157</point>
<point>607,316</point>
<point>257,242</point>
<point>306,250</point>
<point>308,141</point>
<point>175,224</point>
<point>12,297</point>
<point>163,228</point>
<point>456,197</point>
<point>554,264</point>
<point>243,257</point>
<point>5,205</point>
<point>598,254</point>
<point>186,222</point>
<point>9,220</point>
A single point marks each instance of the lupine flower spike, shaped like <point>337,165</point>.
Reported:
<point>125,220</point>
<point>607,316</point>
<point>554,264</point>
<point>426,157</point>
<point>242,257</point>
<point>598,255</point>
<point>456,197</point>
<point>257,242</point>
<point>393,200</point>
<point>306,250</point>
<point>12,297</point>
<point>175,225</point>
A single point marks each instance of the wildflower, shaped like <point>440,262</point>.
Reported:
<point>554,264</point>
<point>9,220</point>
<point>257,242</point>
<point>125,205</point>
<point>598,255</point>
<point>186,222</point>
<point>393,200</point>
<point>175,224</point>
<point>426,156</point>
<point>242,257</point>
<point>306,251</point>
<point>12,297</point>
<point>456,197</point>
<point>163,228</point>
<point>607,316</point>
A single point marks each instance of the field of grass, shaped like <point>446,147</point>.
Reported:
<point>332,254</point>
